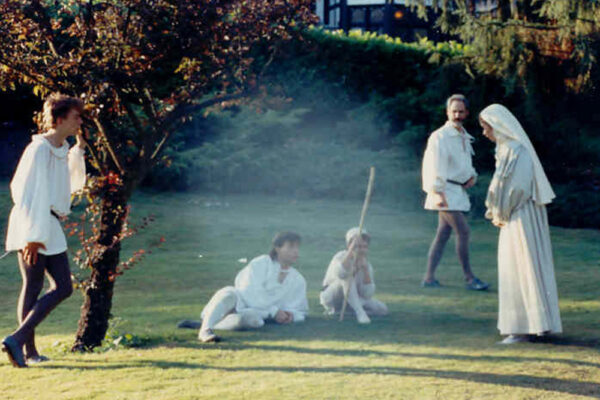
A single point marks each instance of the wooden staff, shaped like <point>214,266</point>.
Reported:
<point>360,228</point>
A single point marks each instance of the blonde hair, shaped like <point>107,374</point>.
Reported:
<point>57,105</point>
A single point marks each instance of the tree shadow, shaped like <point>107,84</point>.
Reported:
<point>566,386</point>
<point>380,353</point>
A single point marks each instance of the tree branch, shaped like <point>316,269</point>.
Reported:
<point>175,116</point>
<point>89,23</point>
<point>109,145</point>
<point>98,165</point>
<point>45,25</point>
<point>518,24</point>
<point>150,111</point>
<point>23,73</point>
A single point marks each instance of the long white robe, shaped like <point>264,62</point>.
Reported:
<point>258,295</point>
<point>528,296</point>
<point>44,180</point>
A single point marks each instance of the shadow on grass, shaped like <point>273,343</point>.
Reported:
<point>431,328</point>
<point>566,386</point>
<point>379,353</point>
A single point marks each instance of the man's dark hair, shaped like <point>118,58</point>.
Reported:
<point>280,239</point>
<point>58,105</point>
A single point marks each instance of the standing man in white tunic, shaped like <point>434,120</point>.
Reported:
<point>447,173</point>
<point>267,288</point>
<point>41,188</point>
<point>351,272</point>
<point>516,203</point>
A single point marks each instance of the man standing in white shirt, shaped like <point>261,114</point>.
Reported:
<point>49,171</point>
<point>267,288</point>
<point>447,173</point>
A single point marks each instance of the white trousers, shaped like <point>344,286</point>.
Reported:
<point>220,313</point>
<point>332,298</point>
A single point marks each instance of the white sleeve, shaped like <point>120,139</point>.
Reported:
<point>31,194</point>
<point>249,284</point>
<point>511,186</point>
<point>435,165</point>
<point>337,267</point>
<point>296,301</point>
<point>77,168</point>
<point>366,290</point>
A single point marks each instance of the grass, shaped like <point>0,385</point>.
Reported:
<point>435,344</point>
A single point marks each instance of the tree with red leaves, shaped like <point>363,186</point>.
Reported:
<point>144,68</point>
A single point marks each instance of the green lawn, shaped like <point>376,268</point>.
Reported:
<point>434,344</point>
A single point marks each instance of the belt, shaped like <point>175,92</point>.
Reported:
<point>456,182</point>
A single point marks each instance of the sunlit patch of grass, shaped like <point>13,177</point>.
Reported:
<point>434,344</point>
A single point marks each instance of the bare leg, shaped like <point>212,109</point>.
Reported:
<point>437,246</point>
<point>458,222</point>
<point>61,287</point>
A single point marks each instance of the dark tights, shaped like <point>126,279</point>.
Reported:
<point>31,310</point>
<point>449,221</point>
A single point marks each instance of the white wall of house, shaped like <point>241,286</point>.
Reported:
<point>334,16</point>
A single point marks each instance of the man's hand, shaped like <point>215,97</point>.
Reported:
<point>498,223</point>
<point>30,252</point>
<point>353,244</point>
<point>81,143</point>
<point>284,317</point>
<point>442,202</point>
<point>350,259</point>
<point>470,183</point>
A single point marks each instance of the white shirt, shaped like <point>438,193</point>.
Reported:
<point>336,272</point>
<point>259,289</point>
<point>448,156</point>
<point>44,180</point>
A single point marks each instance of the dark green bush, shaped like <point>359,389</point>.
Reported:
<point>360,100</point>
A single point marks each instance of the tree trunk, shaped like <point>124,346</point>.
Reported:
<point>95,311</point>
<point>504,9</point>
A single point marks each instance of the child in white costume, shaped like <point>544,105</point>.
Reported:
<point>360,287</point>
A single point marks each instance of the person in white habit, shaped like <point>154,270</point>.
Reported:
<point>268,288</point>
<point>360,287</point>
<point>46,176</point>
<point>516,203</point>
<point>447,174</point>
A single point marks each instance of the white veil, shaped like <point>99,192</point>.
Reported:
<point>505,123</point>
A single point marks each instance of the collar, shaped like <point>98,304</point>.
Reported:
<point>59,152</point>
<point>456,132</point>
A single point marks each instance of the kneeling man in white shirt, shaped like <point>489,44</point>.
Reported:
<point>267,288</point>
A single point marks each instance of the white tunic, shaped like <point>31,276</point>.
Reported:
<point>44,180</point>
<point>448,156</point>
<point>260,291</point>
<point>528,297</point>
<point>336,272</point>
